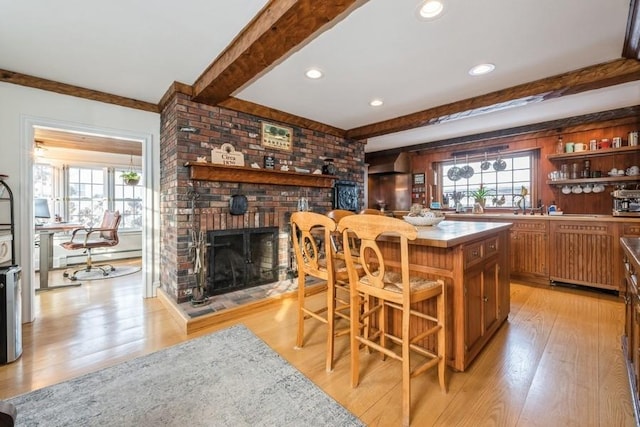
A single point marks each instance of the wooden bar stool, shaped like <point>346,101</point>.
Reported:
<point>341,275</point>
<point>389,288</point>
<point>311,235</point>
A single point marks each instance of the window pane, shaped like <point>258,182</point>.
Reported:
<point>504,185</point>
<point>128,200</point>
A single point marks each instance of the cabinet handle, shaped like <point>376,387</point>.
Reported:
<point>492,247</point>
<point>474,253</point>
<point>485,299</point>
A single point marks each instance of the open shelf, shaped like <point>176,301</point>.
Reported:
<point>215,172</point>
<point>609,180</point>
<point>594,153</point>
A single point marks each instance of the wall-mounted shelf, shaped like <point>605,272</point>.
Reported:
<point>214,172</point>
<point>594,153</point>
<point>610,180</point>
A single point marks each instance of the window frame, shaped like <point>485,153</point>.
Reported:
<point>481,178</point>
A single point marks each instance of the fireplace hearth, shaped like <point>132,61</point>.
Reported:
<point>241,258</point>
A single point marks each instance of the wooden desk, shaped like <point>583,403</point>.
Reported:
<point>46,232</point>
<point>473,260</point>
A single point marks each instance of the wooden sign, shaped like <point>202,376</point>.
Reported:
<point>278,137</point>
<point>227,155</point>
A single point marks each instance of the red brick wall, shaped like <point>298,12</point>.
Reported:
<point>269,205</point>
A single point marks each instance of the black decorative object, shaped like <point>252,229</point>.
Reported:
<point>345,196</point>
<point>328,168</point>
<point>269,162</point>
<point>238,204</point>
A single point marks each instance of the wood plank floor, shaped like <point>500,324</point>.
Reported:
<point>556,362</point>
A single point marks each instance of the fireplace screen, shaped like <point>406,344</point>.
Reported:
<point>239,259</point>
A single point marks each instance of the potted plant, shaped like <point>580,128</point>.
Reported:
<point>480,195</point>
<point>130,178</point>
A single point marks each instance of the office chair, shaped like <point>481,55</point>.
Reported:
<point>104,236</point>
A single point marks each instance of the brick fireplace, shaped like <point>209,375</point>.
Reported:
<point>202,204</point>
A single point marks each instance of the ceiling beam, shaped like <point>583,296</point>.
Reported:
<point>53,138</point>
<point>71,90</point>
<point>272,35</point>
<point>631,48</point>
<point>585,79</point>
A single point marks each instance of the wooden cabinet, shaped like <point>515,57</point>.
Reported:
<point>482,304</point>
<point>631,339</point>
<point>583,253</point>
<point>530,251</point>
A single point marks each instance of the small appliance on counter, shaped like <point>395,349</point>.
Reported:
<point>626,203</point>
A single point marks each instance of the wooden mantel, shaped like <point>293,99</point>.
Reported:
<point>215,172</point>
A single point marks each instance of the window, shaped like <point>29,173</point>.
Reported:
<point>504,183</point>
<point>87,192</point>
<point>44,185</point>
<point>86,198</point>
<point>128,200</point>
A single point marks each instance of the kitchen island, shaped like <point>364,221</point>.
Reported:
<point>473,260</point>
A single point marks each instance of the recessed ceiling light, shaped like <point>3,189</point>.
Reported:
<point>376,102</point>
<point>481,69</point>
<point>430,9</point>
<point>313,73</point>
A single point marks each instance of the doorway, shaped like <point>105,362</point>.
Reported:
<point>31,127</point>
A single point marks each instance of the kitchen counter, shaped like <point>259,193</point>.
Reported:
<point>555,249</point>
<point>564,217</point>
<point>473,260</point>
<point>451,233</point>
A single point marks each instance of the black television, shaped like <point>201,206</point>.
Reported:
<point>41,209</point>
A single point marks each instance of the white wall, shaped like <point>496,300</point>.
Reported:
<point>21,108</point>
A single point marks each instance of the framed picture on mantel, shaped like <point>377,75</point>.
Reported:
<point>276,136</point>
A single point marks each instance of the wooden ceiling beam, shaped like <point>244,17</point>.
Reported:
<point>272,35</point>
<point>588,78</point>
<point>71,90</point>
<point>631,48</point>
<point>53,138</point>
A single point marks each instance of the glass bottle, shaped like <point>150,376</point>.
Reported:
<point>560,146</point>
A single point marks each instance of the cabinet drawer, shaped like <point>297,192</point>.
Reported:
<point>490,246</point>
<point>473,253</point>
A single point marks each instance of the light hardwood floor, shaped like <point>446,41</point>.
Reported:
<point>556,362</point>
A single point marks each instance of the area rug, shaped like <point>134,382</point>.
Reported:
<point>228,378</point>
<point>96,274</point>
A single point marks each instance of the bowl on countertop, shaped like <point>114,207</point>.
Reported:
<point>423,220</point>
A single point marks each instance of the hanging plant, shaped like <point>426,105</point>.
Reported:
<point>130,178</point>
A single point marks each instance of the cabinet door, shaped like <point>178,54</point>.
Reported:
<point>583,253</point>
<point>530,249</point>
<point>473,294</point>
<point>490,311</point>
<point>481,301</point>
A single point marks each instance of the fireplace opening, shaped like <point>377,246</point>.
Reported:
<point>240,259</point>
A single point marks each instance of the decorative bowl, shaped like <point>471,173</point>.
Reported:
<point>423,220</point>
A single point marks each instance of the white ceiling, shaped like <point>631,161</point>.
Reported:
<point>137,49</point>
